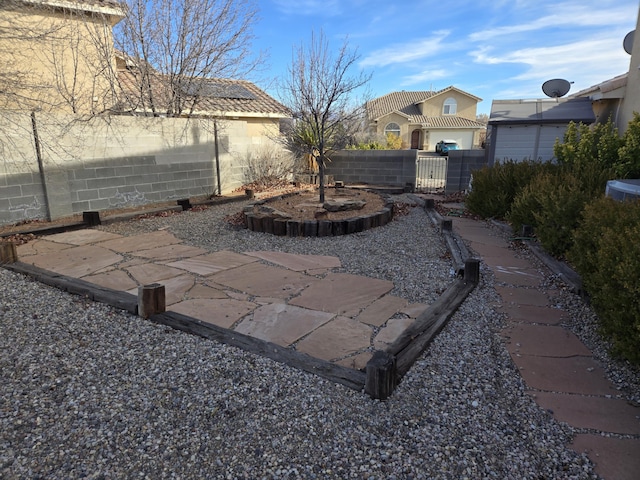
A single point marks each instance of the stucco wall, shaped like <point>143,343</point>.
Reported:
<point>115,162</point>
<point>56,60</point>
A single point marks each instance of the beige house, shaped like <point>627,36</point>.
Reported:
<point>57,55</point>
<point>423,118</point>
<point>239,101</point>
<point>619,97</point>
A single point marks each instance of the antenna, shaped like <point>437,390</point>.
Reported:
<point>556,87</point>
<point>627,43</point>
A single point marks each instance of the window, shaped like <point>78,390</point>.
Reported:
<point>393,128</point>
<point>450,105</point>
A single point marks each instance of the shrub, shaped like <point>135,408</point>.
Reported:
<point>269,167</point>
<point>606,253</point>
<point>628,165</point>
<point>561,201</point>
<point>528,202</point>
<point>494,188</point>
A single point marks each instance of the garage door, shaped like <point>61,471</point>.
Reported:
<point>462,138</point>
<point>527,142</point>
<point>515,142</point>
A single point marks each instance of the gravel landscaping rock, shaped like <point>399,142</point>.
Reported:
<point>88,391</point>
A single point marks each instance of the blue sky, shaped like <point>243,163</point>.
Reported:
<point>494,49</point>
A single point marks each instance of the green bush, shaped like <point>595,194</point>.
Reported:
<point>561,201</point>
<point>628,164</point>
<point>494,188</point>
<point>606,253</point>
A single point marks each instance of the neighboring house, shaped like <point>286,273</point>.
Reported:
<point>57,55</point>
<point>422,119</point>
<point>527,129</point>
<point>619,97</point>
<point>238,101</point>
<point>606,98</point>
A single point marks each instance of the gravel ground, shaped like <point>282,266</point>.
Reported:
<point>88,391</point>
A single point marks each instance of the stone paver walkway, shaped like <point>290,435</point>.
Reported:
<point>279,297</point>
<point>560,372</point>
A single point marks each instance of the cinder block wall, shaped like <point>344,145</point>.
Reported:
<point>460,166</point>
<point>114,162</point>
<point>374,167</point>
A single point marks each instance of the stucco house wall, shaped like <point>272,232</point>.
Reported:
<point>421,118</point>
<point>59,56</point>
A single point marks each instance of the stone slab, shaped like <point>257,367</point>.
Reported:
<point>543,340</point>
<point>614,458</point>
<point>517,276</point>
<point>343,294</point>
<point>113,279</point>
<point>282,324</point>
<point>390,332</point>
<point>171,252</point>
<point>223,313</point>
<point>76,262</point>
<point>522,296</point>
<point>146,273</point>
<point>357,362</point>
<point>381,310</point>
<point>176,288</point>
<point>265,281</point>
<point>144,241</point>
<point>414,310</point>
<point>213,263</point>
<point>83,237</point>
<point>570,375</point>
<point>598,413</point>
<point>205,291</point>
<point>40,247</point>
<point>336,339</point>
<point>534,314</point>
<point>298,263</point>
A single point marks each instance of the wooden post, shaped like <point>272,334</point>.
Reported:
<point>185,204</point>
<point>429,204</point>
<point>91,218</point>
<point>527,231</point>
<point>446,225</point>
<point>151,300</point>
<point>472,270</point>
<point>382,376</point>
<point>8,252</point>
<point>249,193</point>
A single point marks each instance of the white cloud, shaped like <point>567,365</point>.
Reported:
<point>564,15</point>
<point>407,52</point>
<point>426,76</point>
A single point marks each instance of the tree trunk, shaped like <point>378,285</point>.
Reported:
<point>321,174</point>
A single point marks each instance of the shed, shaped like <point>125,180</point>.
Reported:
<point>522,130</point>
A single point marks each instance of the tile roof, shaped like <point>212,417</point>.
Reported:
<point>401,102</point>
<point>404,103</point>
<point>223,97</point>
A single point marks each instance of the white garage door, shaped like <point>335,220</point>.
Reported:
<point>527,142</point>
<point>462,138</point>
<point>515,142</point>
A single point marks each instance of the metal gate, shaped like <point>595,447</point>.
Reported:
<point>431,173</point>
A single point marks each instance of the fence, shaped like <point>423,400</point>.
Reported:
<point>53,166</point>
<point>426,172</point>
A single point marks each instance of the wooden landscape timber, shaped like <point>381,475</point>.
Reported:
<point>382,373</point>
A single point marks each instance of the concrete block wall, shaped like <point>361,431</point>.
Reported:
<point>114,162</point>
<point>461,164</point>
<point>374,167</point>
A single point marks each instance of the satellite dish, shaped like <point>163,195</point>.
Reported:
<point>627,43</point>
<point>556,88</point>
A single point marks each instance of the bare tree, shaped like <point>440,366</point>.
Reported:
<point>319,91</point>
<point>174,48</point>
